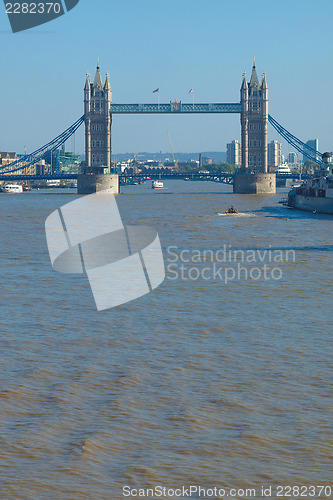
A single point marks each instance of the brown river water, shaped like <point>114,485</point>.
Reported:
<point>207,381</point>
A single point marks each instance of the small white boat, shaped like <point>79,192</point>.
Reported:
<point>12,188</point>
<point>157,185</point>
<point>283,169</point>
<point>53,183</point>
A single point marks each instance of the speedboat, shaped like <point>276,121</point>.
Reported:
<point>231,210</point>
<point>157,185</point>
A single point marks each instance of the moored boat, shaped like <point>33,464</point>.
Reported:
<point>316,194</point>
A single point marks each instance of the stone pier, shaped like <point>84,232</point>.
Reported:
<point>94,183</point>
<point>254,183</point>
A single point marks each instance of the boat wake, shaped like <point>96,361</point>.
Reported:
<point>240,214</point>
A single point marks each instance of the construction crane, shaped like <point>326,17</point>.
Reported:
<point>136,162</point>
<point>173,154</point>
<point>137,156</point>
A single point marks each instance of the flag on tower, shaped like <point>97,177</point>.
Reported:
<point>190,91</point>
<point>156,90</point>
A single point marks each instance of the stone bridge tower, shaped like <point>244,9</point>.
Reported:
<point>254,177</point>
<point>254,120</point>
<point>97,102</point>
<point>97,175</point>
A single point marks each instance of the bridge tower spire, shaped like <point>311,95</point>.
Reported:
<point>254,120</point>
<point>244,122</point>
<point>97,103</point>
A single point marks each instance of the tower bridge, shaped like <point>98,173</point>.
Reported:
<point>99,110</point>
<point>253,109</point>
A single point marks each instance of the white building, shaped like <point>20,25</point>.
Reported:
<point>234,154</point>
<point>292,158</point>
<point>274,154</point>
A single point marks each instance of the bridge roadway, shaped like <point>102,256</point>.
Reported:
<point>226,177</point>
<point>176,107</point>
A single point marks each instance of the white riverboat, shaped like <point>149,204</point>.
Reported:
<point>283,169</point>
<point>12,188</point>
<point>157,185</point>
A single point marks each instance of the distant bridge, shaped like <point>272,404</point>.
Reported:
<point>225,177</point>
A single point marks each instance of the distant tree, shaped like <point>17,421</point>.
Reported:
<point>310,167</point>
<point>187,169</point>
<point>219,168</point>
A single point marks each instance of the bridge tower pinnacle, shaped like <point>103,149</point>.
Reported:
<point>97,103</point>
<point>254,120</point>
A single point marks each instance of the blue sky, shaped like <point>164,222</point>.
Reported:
<point>174,45</point>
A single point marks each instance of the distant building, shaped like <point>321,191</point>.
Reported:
<point>234,153</point>
<point>69,162</point>
<point>40,167</point>
<point>313,143</point>
<point>52,162</point>
<point>6,158</point>
<point>292,158</point>
<point>121,167</point>
<point>153,164</point>
<point>206,160</point>
<point>274,154</point>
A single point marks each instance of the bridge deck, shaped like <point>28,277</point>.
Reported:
<point>176,107</point>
